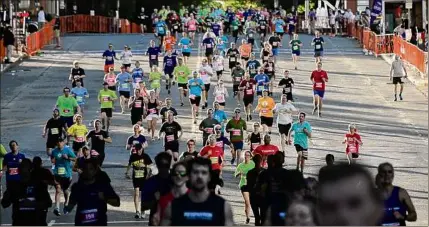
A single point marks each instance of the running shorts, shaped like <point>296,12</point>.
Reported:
<point>108,111</point>
<point>186,54</point>
<point>219,73</point>
<point>173,146</point>
<point>77,145</point>
<point>268,121</point>
<point>107,67</point>
<point>318,53</point>
<point>280,34</point>
<point>296,52</point>
<point>209,52</point>
<point>284,129</point>
<point>139,182</point>
<point>207,87</point>
<point>196,100</point>
<point>135,119</point>
<point>235,88</point>
<point>126,94</point>
<point>247,99</point>
<point>51,142</point>
<point>321,94</point>
<point>245,58</point>
<point>301,151</point>
<point>355,155</point>
<point>397,80</point>
<point>275,51</point>
<point>152,117</point>
<point>67,120</point>
<point>238,145</point>
<point>232,64</point>
<point>215,179</point>
<point>63,181</point>
<point>183,86</point>
<point>153,62</point>
<point>127,65</point>
<point>245,188</point>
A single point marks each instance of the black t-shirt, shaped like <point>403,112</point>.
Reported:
<point>274,41</point>
<point>208,125</point>
<point>269,68</point>
<point>288,82</point>
<point>138,107</point>
<point>77,72</point>
<point>140,164</point>
<point>186,155</point>
<point>96,143</point>
<point>55,127</point>
<point>233,55</point>
<point>171,131</point>
<point>163,112</point>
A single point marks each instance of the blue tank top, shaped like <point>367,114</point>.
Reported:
<point>391,205</point>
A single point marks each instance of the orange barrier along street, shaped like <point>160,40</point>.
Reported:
<point>2,51</point>
<point>410,53</point>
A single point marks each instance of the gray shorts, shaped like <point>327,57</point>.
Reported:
<point>318,53</point>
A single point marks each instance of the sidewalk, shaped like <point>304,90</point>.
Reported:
<point>16,60</point>
<point>417,78</point>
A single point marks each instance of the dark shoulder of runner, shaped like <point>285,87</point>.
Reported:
<point>102,177</point>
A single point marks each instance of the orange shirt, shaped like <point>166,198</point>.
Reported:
<point>245,49</point>
<point>266,106</point>
<point>169,42</point>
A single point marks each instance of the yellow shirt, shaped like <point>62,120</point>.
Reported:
<point>266,106</point>
<point>78,132</point>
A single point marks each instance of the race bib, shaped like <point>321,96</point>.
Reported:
<point>152,111</point>
<point>253,71</point>
<point>169,138</point>
<point>106,98</point>
<point>249,91</point>
<point>255,144</point>
<point>153,57</point>
<point>76,77</point>
<point>264,111</point>
<point>176,27</point>
<point>352,148</point>
<point>274,43</point>
<point>209,45</point>
<point>138,173</point>
<point>260,88</point>
<point>192,97</point>
<point>214,160</point>
<point>79,139</point>
<point>250,35</point>
<point>236,132</point>
<point>138,104</point>
<point>138,79</point>
<point>235,27</point>
<point>318,46</point>
<point>125,85</point>
<point>61,170</point>
<point>135,142</point>
<point>13,171</point>
<point>288,89</point>
<point>266,58</point>
<point>185,46</point>
<point>54,131</point>
<point>79,98</point>
<point>192,27</point>
<point>109,58</point>
<point>220,98</point>
<point>111,80</point>
<point>263,27</point>
<point>209,130</point>
<point>89,216</point>
<point>319,85</point>
<point>238,79</point>
<point>295,47</point>
<point>66,110</point>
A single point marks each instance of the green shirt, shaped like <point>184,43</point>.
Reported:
<point>3,152</point>
<point>155,80</point>
<point>242,169</point>
<point>295,45</point>
<point>235,24</point>
<point>237,127</point>
<point>182,73</point>
<point>66,105</point>
<point>103,97</point>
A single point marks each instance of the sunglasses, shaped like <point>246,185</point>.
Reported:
<point>217,129</point>
<point>237,112</point>
<point>178,173</point>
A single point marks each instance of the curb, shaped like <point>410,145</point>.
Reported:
<point>415,77</point>
<point>6,67</point>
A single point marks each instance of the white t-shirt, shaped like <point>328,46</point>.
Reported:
<point>220,93</point>
<point>284,113</point>
<point>397,68</point>
<point>218,63</point>
<point>41,16</point>
<point>204,72</point>
<point>126,57</point>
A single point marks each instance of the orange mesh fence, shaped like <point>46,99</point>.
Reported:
<point>410,53</point>
<point>2,51</point>
<point>38,40</point>
<point>383,44</point>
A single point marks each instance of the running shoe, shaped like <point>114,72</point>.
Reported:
<point>57,212</point>
<point>181,104</point>
<point>314,110</point>
<point>138,215</point>
<point>247,220</point>
<point>400,97</point>
<point>232,161</point>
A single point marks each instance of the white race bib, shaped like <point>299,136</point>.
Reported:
<point>61,171</point>
<point>169,138</point>
<point>318,46</point>
<point>125,85</point>
<point>220,98</point>
<point>54,131</point>
<point>295,47</point>
<point>319,85</point>
<point>79,98</point>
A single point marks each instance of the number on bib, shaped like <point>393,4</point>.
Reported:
<point>318,46</point>
<point>319,85</point>
<point>138,173</point>
<point>79,139</point>
<point>61,171</point>
<point>79,98</point>
<point>13,171</point>
<point>295,47</point>
<point>236,132</point>
<point>169,138</point>
<point>54,131</point>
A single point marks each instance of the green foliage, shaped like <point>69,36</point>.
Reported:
<point>301,8</point>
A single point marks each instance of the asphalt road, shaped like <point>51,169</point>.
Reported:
<point>358,91</point>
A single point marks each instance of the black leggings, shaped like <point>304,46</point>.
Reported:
<point>259,209</point>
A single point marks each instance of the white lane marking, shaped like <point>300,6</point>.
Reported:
<point>72,223</point>
<point>51,223</point>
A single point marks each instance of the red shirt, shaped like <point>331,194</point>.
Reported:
<point>248,87</point>
<point>265,151</point>
<point>216,153</point>
<point>317,76</point>
<point>352,145</point>
<point>164,201</point>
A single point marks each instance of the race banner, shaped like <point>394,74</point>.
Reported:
<point>376,9</point>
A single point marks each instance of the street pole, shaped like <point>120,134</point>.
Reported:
<point>383,18</point>
<point>427,35</point>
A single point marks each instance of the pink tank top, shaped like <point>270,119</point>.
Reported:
<point>192,25</point>
<point>111,80</point>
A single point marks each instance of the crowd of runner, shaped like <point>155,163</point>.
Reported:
<point>186,190</point>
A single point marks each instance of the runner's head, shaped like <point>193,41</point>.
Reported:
<point>97,124</point>
<point>111,70</point>
<point>137,129</point>
<point>220,83</point>
<point>267,139</point>
<point>200,169</point>
<point>238,65</point>
<point>179,174</point>
<point>301,213</point>
<point>167,33</point>
<point>170,116</point>
<point>191,145</point>
<point>246,76</point>
<point>195,74</point>
<point>216,105</point>
<point>386,172</point>
<point>217,130</point>
<point>257,159</point>
<point>232,45</point>
<point>352,128</point>
<point>152,43</point>
<point>397,57</point>
<point>142,85</point>
<point>163,163</point>
<point>105,86</point>
<point>256,127</point>
<point>137,64</point>
<point>252,56</point>
<point>247,156</point>
<point>286,74</point>
<point>24,170</point>
<point>13,145</point>
<point>137,92</point>
<point>155,68</point>
<point>180,60</point>
<point>138,148</point>
<point>319,66</point>
<point>243,41</point>
<point>261,71</point>
<point>78,118</point>
<point>110,46</point>
<point>76,64</point>
<point>90,169</point>
<point>302,117</point>
<point>86,152</point>
<point>78,83</point>
<point>317,33</point>
<point>126,48</point>
<point>66,91</point>
<point>122,69</point>
<point>169,52</point>
<point>295,36</point>
<point>204,62</point>
<point>329,159</point>
<point>56,113</point>
<point>284,98</point>
<point>265,93</point>
<point>334,206</point>
<point>60,143</point>
<point>37,162</point>
<point>237,112</point>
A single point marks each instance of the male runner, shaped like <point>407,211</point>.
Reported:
<point>106,98</point>
<point>302,134</point>
<point>237,75</point>
<point>287,84</point>
<point>109,55</point>
<point>284,110</point>
<point>181,74</point>
<point>319,78</point>
<point>195,87</point>
<point>54,129</point>
<point>124,83</point>
<point>207,125</point>
<point>171,130</point>
<point>265,108</point>
<point>397,72</point>
<point>318,42</point>
<point>68,106</point>
<point>247,87</point>
<point>236,127</point>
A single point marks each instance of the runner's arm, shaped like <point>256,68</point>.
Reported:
<point>411,215</point>
<point>166,219</point>
<point>72,200</point>
<point>229,219</point>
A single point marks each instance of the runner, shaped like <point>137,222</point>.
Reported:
<point>287,84</point>
<point>137,75</point>
<point>215,154</point>
<point>250,29</point>
<point>124,82</point>
<point>266,52</point>
<point>136,138</point>
<point>221,42</point>
<point>195,87</point>
<point>76,73</point>
<point>68,106</point>
<point>192,26</point>
<point>160,32</point>
<point>275,41</point>
<point>397,72</point>
<point>165,109</point>
<point>141,164</point>
<point>207,125</point>
<point>109,55</point>
<point>263,27</point>
<point>236,127</point>
<point>62,157</point>
<point>78,131</point>
<point>126,57</point>
<point>233,53</point>
<point>152,107</point>
<point>110,79</point>
<point>206,72</point>
<point>255,198</point>
<point>174,22</point>
<point>98,139</point>
<point>218,64</point>
<point>252,66</point>
<point>318,42</point>
<point>107,99</point>
<point>11,164</point>
<point>291,21</point>
<point>80,94</point>
<point>155,80</point>
<point>247,87</point>
<point>241,171</point>
<point>279,25</point>
<point>295,45</point>
<point>209,45</point>
<point>266,150</point>
<point>185,44</point>
<point>270,71</point>
<point>254,138</point>
<point>398,206</point>
<point>235,26</point>
<point>302,134</point>
<point>170,63</point>
<point>221,94</point>
<point>218,210</point>
<point>237,75</point>
<point>217,27</point>
<point>181,74</point>
<point>265,108</point>
<point>262,82</point>
<point>153,52</point>
<point>80,161</point>
<point>284,111</point>
<point>91,195</point>
<point>220,115</point>
<point>170,130</point>
<point>245,51</point>
<point>54,129</point>
<point>319,78</point>
<point>353,142</point>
